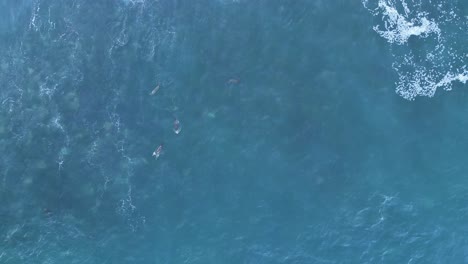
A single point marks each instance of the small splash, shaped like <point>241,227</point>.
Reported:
<point>158,151</point>
<point>177,127</point>
<point>155,90</point>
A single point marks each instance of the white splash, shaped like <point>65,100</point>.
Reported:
<point>438,64</point>
<point>424,83</point>
<point>399,28</point>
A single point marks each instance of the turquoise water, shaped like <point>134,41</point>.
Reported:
<point>311,131</point>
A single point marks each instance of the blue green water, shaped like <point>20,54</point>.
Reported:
<point>311,131</point>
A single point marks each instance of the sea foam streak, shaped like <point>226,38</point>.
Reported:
<point>424,70</point>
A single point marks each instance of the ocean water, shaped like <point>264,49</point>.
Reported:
<point>311,131</point>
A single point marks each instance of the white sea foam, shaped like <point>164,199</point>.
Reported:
<point>424,83</point>
<point>34,24</point>
<point>133,2</point>
<point>437,63</point>
<point>399,27</point>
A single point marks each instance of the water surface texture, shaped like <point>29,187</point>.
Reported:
<point>308,131</point>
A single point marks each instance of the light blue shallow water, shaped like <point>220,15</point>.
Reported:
<point>311,131</point>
